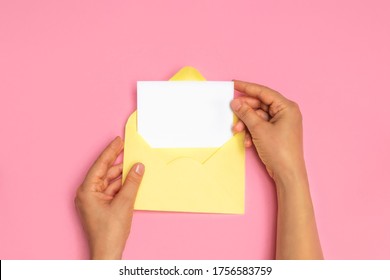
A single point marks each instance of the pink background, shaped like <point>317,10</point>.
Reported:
<point>68,73</point>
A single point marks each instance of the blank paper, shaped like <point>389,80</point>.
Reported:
<point>184,114</point>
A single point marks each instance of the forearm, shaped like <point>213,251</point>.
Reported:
<point>105,254</point>
<point>297,236</point>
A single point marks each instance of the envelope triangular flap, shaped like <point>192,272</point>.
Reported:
<point>168,155</point>
<point>207,180</point>
<point>188,73</point>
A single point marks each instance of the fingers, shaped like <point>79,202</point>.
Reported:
<point>264,115</point>
<point>114,187</point>
<point>263,93</point>
<point>114,172</point>
<point>246,114</point>
<point>247,140</point>
<point>240,126</point>
<point>128,192</point>
<point>107,158</point>
<point>254,103</point>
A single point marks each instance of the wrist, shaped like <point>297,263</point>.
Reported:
<point>289,179</point>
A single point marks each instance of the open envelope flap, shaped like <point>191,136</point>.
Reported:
<point>188,73</point>
<point>207,180</point>
<point>168,155</point>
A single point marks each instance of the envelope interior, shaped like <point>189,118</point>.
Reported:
<point>168,155</point>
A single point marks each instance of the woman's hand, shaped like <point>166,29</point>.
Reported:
<point>273,124</point>
<point>105,205</point>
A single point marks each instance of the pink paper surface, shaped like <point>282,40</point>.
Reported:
<point>68,72</point>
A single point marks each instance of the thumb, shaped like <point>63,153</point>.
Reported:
<point>246,114</point>
<point>128,192</point>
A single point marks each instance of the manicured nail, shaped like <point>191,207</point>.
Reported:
<point>139,169</point>
<point>236,104</point>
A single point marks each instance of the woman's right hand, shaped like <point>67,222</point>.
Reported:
<point>274,125</point>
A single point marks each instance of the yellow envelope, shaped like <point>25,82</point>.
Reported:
<point>210,180</point>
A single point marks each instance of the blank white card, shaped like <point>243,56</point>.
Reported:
<point>184,114</point>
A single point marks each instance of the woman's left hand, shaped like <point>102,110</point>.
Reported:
<point>105,205</point>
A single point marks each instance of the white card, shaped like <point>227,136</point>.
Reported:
<point>185,114</point>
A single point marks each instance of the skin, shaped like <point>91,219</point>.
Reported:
<point>272,124</point>
<point>105,205</point>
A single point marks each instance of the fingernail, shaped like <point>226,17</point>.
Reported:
<point>139,169</point>
<point>236,104</point>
